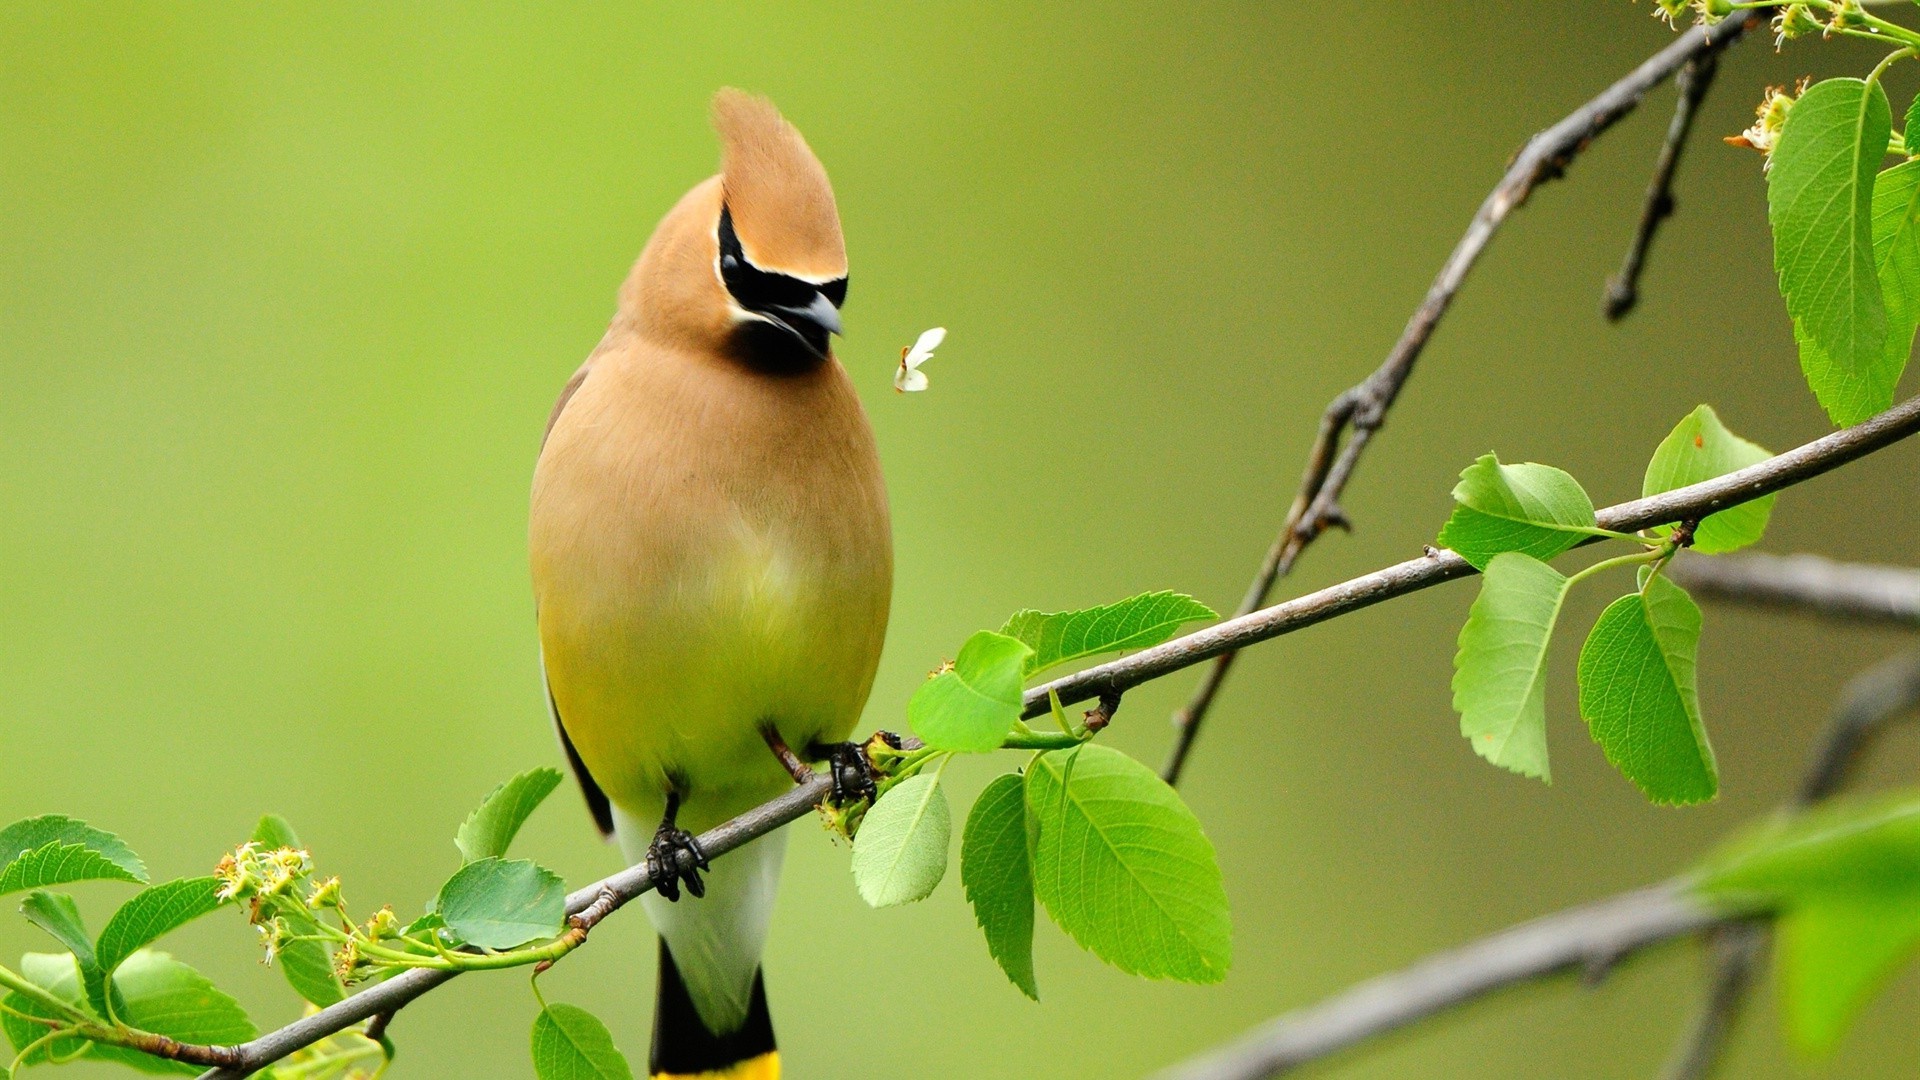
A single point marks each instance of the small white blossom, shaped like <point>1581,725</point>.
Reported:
<point>910,379</point>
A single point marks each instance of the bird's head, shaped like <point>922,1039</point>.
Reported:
<point>750,263</point>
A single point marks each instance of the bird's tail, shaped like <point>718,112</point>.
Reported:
<point>683,1048</point>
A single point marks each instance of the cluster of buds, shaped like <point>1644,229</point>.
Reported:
<point>1706,11</point>
<point>255,873</point>
<point>1772,117</point>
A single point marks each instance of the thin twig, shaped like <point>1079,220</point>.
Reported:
<point>1592,936</point>
<point>1873,700</point>
<point>1361,410</point>
<point>1696,75</point>
<point>1682,504</point>
<point>1108,681</point>
<point>1853,591</point>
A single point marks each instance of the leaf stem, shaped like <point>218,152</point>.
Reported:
<point>21,985</point>
<point>1624,560</point>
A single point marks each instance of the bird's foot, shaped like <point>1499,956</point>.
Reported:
<point>850,770</point>
<point>664,865</point>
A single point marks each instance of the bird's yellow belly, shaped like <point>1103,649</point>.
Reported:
<point>667,665</point>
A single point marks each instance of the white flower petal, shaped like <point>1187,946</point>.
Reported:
<point>922,350</point>
<point>908,382</point>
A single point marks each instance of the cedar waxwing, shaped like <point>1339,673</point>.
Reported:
<point>712,564</point>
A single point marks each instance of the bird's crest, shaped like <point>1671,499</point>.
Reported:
<point>777,191</point>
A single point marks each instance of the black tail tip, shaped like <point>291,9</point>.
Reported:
<point>682,1045</point>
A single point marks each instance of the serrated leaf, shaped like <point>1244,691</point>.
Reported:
<point>570,1043</point>
<point>275,832</point>
<point>1638,695</point>
<point>1500,670</point>
<point>40,851</point>
<point>1820,204</point>
<point>900,852</point>
<point>1527,508</point>
<point>490,829</point>
<point>154,912</point>
<point>998,882</point>
<point>972,706</point>
<point>1846,880</point>
<point>57,915</point>
<point>1123,867</point>
<point>501,904</point>
<point>1138,622</point>
<point>1700,448</point>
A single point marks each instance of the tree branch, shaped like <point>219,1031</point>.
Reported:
<point>588,905</point>
<point>1806,582</point>
<point>1696,75</point>
<point>1592,937</point>
<point>1108,681</point>
<point>1873,700</point>
<point>1682,504</point>
<point>1363,409</point>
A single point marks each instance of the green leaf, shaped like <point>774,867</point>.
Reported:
<point>489,829</point>
<point>570,1043</point>
<point>308,968</point>
<point>1057,637</point>
<point>999,884</point>
<point>1500,671</point>
<point>1853,396</point>
<point>165,996</point>
<point>1701,448</point>
<point>1846,879</point>
<point>1820,203</point>
<point>153,912</point>
<point>972,706</point>
<point>1532,509</point>
<point>1638,697</point>
<point>1122,866</point>
<point>54,850</point>
<point>57,915</point>
<point>500,904</point>
<point>900,852</point>
<point>274,833</point>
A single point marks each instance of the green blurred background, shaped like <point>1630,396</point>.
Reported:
<point>286,292</point>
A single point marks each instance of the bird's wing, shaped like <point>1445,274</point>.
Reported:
<point>566,395</point>
<point>597,802</point>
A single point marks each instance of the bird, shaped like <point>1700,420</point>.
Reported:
<point>712,564</point>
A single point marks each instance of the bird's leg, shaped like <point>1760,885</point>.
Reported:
<point>796,768</point>
<point>852,772</point>
<point>663,856</point>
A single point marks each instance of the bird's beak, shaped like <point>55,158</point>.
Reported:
<point>820,313</point>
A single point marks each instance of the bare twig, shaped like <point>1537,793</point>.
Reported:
<point>1696,75</point>
<point>1873,700</point>
<point>1682,504</point>
<point>1360,411</point>
<point>1806,582</point>
<point>1108,681</point>
<point>1593,936</point>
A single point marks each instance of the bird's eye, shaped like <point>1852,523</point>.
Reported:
<point>757,289</point>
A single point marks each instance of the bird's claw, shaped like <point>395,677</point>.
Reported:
<point>664,867</point>
<point>851,772</point>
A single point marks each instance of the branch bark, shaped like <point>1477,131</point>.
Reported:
<point>1592,937</point>
<point>1361,410</point>
<point>1682,504</point>
<point>1696,76</point>
<point>1872,701</point>
<point>1855,591</point>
